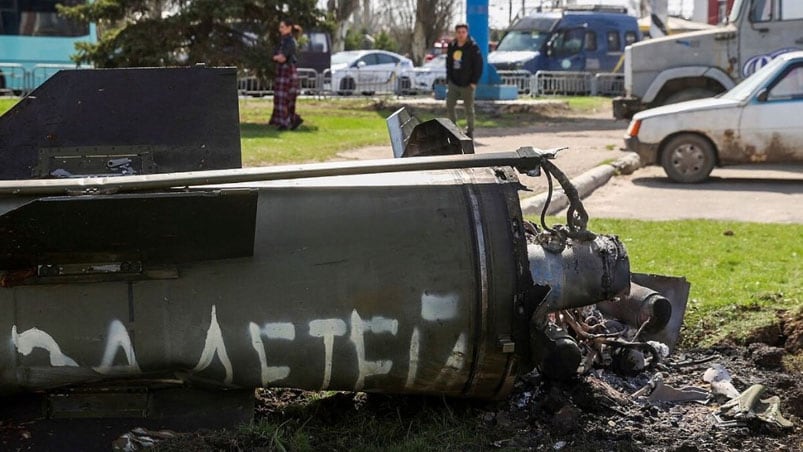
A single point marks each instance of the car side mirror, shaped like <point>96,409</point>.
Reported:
<point>762,95</point>
<point>550,47</point>
<point>361,64</point>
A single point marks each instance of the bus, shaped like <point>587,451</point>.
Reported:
<point>36,42</point>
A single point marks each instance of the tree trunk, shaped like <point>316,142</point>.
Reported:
<point>419,47</point>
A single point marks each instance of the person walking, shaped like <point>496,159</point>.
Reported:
<point>285,85</point>
<point>463,71</point>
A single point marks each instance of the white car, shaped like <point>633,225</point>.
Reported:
<point>369,71</point>
<point>431,73</point>
<point>758,120</point>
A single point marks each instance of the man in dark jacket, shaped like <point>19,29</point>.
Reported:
<point>463,71</point>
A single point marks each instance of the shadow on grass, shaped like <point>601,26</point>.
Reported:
<point>256,130</point>
<point>299,420</point>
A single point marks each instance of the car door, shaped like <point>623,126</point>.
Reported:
<point>771,127</point>
<point>567,50</point>
<point>386,70</point>
<point>366,67</point>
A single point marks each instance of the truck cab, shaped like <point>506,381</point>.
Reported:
<point>566,40</point>
<point>702,64</point>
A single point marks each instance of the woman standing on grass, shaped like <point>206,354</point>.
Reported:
<point>285,85</point>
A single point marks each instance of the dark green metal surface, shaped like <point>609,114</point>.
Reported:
<point>394,287</point>
<point>123,121</point>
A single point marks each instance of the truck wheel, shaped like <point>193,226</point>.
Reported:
<point>689,94</point>
<point>688,158</point>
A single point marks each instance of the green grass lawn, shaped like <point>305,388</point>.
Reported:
<point>6,104</point>
<point>330,126</point>
<point>740,273</point>
<point>337,124</point>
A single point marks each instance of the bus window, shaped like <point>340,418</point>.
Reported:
<point>38,18</point>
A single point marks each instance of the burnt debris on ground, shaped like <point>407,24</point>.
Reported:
<point>595,411</point>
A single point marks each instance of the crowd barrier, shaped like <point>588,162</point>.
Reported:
<point>17,80</point>
<point>545,83</point>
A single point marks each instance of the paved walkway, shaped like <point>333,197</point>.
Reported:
<point>591,141</point>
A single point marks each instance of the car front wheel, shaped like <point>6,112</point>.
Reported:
<point>688,158</point>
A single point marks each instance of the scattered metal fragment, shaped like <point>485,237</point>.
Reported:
<point>657,391</point>
<point>750,405</point>
<point>140,439</point>
<point>720,380</point>
<point>694,362</point>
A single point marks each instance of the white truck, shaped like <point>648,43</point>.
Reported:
<point>702,64</point>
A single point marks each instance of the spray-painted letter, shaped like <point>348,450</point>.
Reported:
<point>36,338</point>
<point>118,338</point>
<point>358,328</point>
<point>284,331</point>
<point>327,329</point>
<point>214,346</point>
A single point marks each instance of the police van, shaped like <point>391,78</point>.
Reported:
<point>587,39</point>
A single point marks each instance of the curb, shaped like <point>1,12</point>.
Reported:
<point>585,183</point>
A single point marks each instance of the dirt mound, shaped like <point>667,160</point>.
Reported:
<point>786,332</point>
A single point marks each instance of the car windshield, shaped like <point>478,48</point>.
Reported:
<point>735,10</point>
<point>523,40</point>
<point>749,85</point>
<point>343,57</point>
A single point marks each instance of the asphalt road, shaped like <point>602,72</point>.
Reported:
<point>759,193</point>
<point>590,141</point>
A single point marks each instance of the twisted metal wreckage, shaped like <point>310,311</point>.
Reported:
<point>134,250</point>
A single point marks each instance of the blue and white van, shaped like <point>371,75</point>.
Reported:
<point>590,40</point>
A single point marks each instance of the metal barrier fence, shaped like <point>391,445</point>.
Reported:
<point>42,72</point>
<point>310,82</point>
<point>15,79</point>
<point>561,82</point>
<point>608,84</point>
<point>366,81</point>
<point>577,83</point>
<point>351,82</point>
<point>520,79</point>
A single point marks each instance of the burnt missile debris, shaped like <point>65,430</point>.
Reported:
<point>134,252</point>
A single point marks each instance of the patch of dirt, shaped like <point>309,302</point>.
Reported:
<point>785,332</point>
<point>792,327</point>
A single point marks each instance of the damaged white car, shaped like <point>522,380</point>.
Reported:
<point>760,120</point>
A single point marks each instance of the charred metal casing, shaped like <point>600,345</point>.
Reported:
<point>123,122</point>
<point>577,273</point>
<point>410,137</point>
<point>580,272</point>
<point>643,306</point>
<point>403,283</point>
